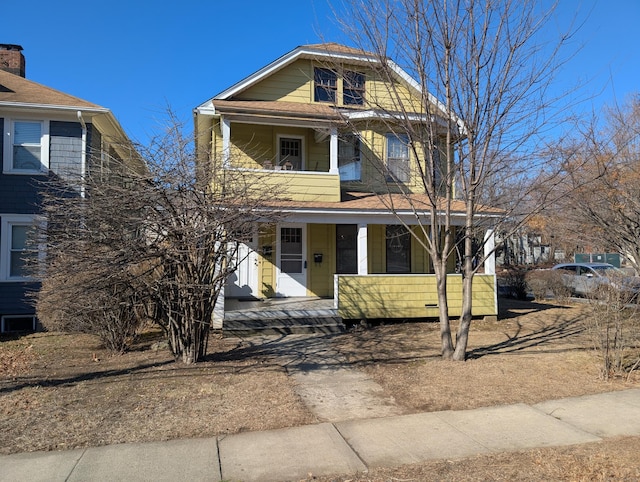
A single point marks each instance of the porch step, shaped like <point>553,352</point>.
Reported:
<point>282,322</point>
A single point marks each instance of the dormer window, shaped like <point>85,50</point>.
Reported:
<point>353,88</point>
<point>326,85</point>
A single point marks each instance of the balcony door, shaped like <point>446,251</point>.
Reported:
<point>290,153</point>
<point>291,273</point>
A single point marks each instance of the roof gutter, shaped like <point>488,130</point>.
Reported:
<point>26,105</point>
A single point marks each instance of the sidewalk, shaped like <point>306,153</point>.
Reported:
<point>341,447</point>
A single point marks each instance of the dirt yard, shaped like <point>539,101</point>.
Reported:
<point>61,391</point>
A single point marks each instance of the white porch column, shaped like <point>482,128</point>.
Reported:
<point>225,126</point>
<point>333,151</point>
<point>218,311</point>
<point>489,252</point>
<point>363,256</point>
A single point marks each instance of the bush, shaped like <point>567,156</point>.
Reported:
<point>545,282</point>
<point>79,305</point>
<point>614,329</point>
<point>513,279</point>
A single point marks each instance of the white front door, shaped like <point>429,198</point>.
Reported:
<point>243,282</point>
<point>291,273</point>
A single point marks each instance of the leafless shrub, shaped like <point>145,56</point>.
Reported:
<point>514,279</point>
<point>545,282</point>
<point>613,329</point>
<point>108,310</point>
<point>145,239</point>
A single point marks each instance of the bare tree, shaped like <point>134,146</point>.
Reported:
<point>482,70</point>
<point>606,210</point>
<point>150,242</point>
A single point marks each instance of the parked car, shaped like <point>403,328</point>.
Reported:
<point>584,279</point>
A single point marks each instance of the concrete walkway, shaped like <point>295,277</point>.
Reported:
<point>343,447</point>
<point>331,389</point>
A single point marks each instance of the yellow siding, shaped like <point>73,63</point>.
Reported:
<point>294,83</point>
<point>321,240</point>
<point>395,97</point>
<point>290,84</point>
<point>288,185</point>
<point>409,296</point>
<point>266,263</point>
<point>252,145</point>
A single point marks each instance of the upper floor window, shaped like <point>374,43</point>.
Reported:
<point>353,88</point>
<point>27,151</point>
<point>349,157</point>
<point>326,85</point>
<point>398,157</point>
<point>15,250</point>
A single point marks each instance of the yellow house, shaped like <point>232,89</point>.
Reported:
<point>313,123</point>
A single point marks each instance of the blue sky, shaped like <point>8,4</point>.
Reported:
<point>135,57</point>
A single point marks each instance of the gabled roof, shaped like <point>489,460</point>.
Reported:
<point>325,51</point>
<point>16,91</point>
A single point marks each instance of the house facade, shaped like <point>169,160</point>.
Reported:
<point>315,123</point>
<point>44,133</point>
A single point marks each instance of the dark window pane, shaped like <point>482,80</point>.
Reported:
<point>398,250</point>
<point>346,249</point>
<point>325,85</point>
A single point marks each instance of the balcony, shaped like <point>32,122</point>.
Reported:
<point>290,185</point>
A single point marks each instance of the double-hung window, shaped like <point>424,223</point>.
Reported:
<point>15,248</point>
<point>26,146</point>
<point>326,85</point>
<point>353,88</point>
<point>349,157</point>
<point>398,157</point>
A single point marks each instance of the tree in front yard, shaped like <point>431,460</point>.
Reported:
<point>155,242</point>
<point>483,69</point>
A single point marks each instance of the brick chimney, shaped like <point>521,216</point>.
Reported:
<point>11,59</point>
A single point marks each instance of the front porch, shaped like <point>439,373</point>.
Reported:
<point>357,298</point>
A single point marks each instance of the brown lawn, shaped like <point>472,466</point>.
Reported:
<point>61,391</point>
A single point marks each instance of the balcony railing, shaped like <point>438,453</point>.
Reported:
<point>308,186</point>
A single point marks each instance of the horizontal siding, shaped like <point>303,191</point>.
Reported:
<point>290,84</point>
<point>14,299</point>
<point>409,296</point>
<point>292,185</point>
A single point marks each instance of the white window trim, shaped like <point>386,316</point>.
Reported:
<point>388,158</point>
<point>7,154</point>
<point>6,223</point>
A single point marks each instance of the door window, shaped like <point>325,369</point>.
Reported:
<point>291,250</point>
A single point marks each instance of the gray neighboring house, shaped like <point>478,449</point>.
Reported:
<point>44,132</point>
